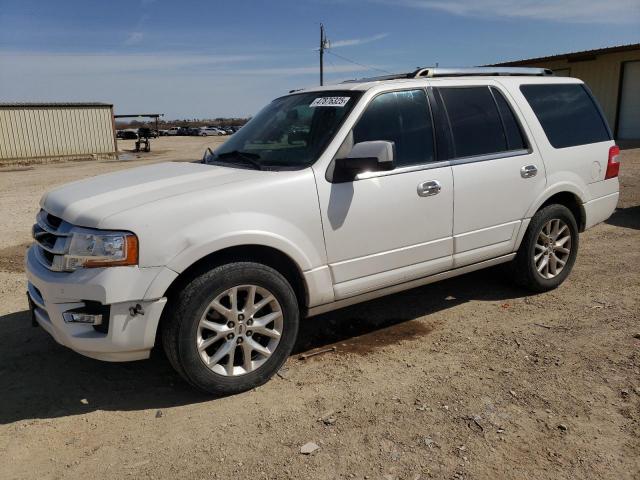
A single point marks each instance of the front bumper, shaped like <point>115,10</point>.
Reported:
<point>128,337</point>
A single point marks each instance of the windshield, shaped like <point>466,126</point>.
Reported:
<point>289,133</point>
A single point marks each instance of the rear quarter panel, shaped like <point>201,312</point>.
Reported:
<point>580,169</point>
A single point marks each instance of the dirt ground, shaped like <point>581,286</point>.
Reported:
<point>470,378</point>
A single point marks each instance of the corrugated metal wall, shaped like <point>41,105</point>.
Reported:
<point>45,131</point>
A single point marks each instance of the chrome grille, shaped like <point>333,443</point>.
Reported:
<point>51,235</point>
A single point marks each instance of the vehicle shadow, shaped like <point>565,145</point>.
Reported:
<point>40,379</point>
<point>626,217</point>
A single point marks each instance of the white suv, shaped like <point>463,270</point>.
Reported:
<point>211,131</point>
<point>328,197</point>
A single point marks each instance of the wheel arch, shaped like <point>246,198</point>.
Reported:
<point>563,194</point>
<point>572,202</point>
<point>265,255</point>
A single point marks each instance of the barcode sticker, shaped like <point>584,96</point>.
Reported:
<point>330,102</point>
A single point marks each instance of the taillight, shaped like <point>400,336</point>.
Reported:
<point>613,165</point>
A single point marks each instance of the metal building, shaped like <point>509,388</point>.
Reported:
<point>33,132</point>
<point>612,73</point>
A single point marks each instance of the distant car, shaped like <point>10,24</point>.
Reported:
<point>210,131</point>
<point>173,131</point>
<point>163,133</point>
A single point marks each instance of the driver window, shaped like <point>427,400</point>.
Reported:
<point>402,118</point>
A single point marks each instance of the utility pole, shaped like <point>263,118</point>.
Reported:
<point>323,45</point>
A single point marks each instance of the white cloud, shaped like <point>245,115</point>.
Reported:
<point>29,63</point>
<point>178,85</point>
<point>358,41</point>
<point>568,11</point>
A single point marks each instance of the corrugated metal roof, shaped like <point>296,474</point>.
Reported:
<point>53,104</point>
<point>583,54</point>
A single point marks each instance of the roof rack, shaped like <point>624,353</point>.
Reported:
<point>433,72</point>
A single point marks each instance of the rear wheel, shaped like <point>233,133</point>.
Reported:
<point>230,329</point>
<point>548,250</point>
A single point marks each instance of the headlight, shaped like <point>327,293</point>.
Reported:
<point>87,248</point>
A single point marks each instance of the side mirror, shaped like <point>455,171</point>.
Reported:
<point>374,156</point>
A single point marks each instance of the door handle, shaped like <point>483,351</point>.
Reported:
<point>427,189</point>
<point>528,171</point>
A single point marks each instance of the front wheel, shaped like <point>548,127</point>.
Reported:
<point>548,250</point>
<point>230,329</point>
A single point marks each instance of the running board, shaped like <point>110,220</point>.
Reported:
<point>345,302</point>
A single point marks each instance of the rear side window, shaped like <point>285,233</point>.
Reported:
<point>512,132</point>
<point>474,121</point>
<point>402,118</point>
<point>567,114</point>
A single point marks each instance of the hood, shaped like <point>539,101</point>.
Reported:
<point>88,202</point>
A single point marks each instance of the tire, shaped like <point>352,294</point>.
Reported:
<point>529,268</point>
<point>186,328</point>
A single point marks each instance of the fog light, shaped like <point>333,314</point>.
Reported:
<point>80,317</point>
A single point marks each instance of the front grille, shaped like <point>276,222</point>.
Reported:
<point>51,235</point>
<point>53,220</point>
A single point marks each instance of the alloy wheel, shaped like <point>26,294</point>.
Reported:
<point>552,248</point>
<point>239,330</point>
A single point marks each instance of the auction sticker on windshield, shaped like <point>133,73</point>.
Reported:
<point>330,102</point>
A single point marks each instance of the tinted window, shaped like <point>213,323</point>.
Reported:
<point>515,139</point>
<point>475,124</point>
<point>567,114</point>
<point>289,133</point>
<point>402,118</point>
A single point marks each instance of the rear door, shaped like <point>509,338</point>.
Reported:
<point>497,174</point>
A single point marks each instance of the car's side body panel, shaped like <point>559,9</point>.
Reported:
<point>491,196</point>
<point>379,224</point>
<point>378,230</point>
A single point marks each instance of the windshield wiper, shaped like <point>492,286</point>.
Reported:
<point>247,157</point>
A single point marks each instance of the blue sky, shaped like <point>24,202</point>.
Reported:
<point>202,59</point>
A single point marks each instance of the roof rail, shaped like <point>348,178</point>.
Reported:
<point>433,72</point>
<point>477,71</point>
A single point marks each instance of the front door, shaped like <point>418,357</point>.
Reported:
<point>386,228</point>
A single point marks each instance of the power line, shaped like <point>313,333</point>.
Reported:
<point>368,67</point>
<point>325,47</point>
